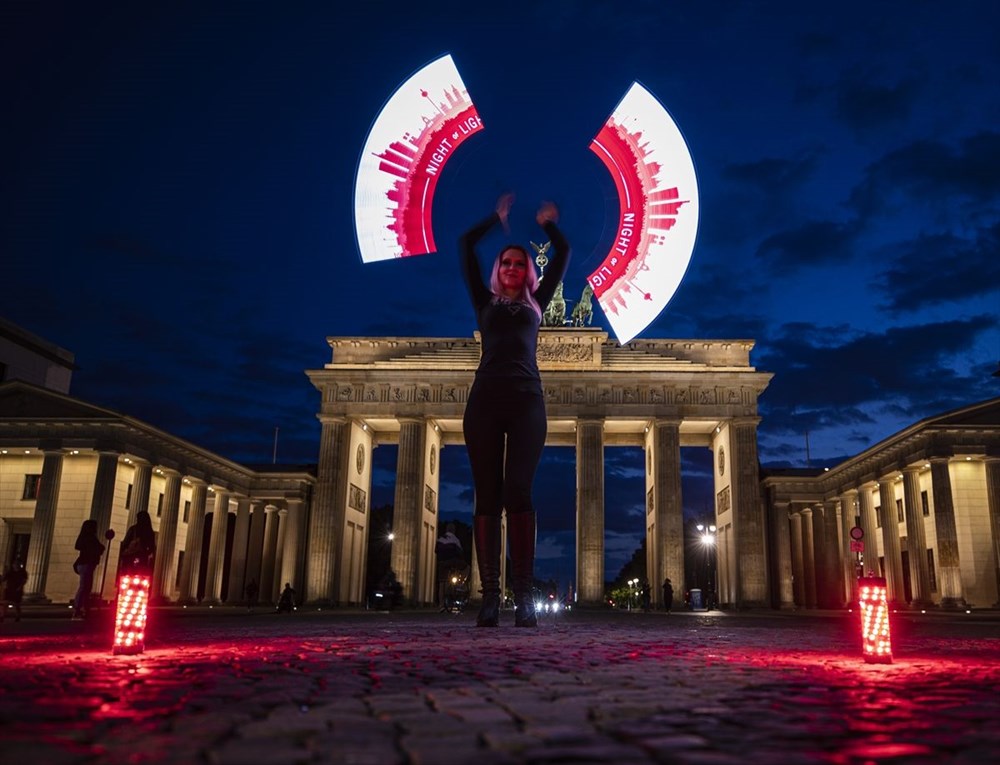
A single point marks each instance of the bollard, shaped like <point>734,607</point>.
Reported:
<point>876,644</point>
<point>130,616</point>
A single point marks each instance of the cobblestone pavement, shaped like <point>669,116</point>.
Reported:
<point>226,687</point>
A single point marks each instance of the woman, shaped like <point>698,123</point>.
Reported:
<point>138,546</point>
<point>505,422</point>
<point>91,549</point>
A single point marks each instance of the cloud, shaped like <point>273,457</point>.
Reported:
<point>941,268</point>
<point>866,105</point>
<point>957,184</point>
<point>830,376</point>
<point>817,242</point>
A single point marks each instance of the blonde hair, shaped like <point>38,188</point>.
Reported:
<point>527,295</point>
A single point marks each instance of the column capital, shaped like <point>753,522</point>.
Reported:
<point>169,472</point>
<point>849,493</point>
<point>332,419</point>
<point>282,511</point>
<point>911,470</point>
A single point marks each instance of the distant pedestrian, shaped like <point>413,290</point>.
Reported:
<point>91,549</point>
<point>252,591</point>
<point>138,546</point>
<point>645,596</point>
<point>287,600</point>
<point>668,595</point>
<point>13,590</point>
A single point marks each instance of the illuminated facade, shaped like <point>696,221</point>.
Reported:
<point>63,461</point>
<point>927,501</point>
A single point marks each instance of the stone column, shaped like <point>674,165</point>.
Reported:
<point>890,541</point>
<point>590,511</point>
<point>164,571</point>
<point>255,549</point>
<point>141,478</point>
<point>267,562</point>
<point>833,583</point>
<point>408,505</point>
<point>916,538</point>
<point>104,491</point>
<point>949,565</point>
<point>290,559</point>
<point>809,556</point>
<point>217,548</point>
<point>848,513</point>
<point>993,502</point>
<point>236,591</point>
<point>191,567</point>
<point>781,555</point>
<point>798,558</point>
<point>668,510</point>
<point>326,522</point>
<point>748,516</point>
<point>868,525</point>
<point>42,527</point>
<point>279,553</point>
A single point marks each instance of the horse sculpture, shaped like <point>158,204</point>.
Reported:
<point>583,312</point>
<point>555,314</point>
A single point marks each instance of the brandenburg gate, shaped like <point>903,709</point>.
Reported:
<point>656,394</point>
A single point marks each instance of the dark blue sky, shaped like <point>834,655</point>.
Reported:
<point>176,205</point>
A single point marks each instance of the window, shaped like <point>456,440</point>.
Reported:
<point>32,485</point>
<point>878,516</point>
<point>930,568</point>
<point>925,503</point>
<point>187,510</point>
<point>128,497</point>
<point>159,505</point>
<point>899,511</point>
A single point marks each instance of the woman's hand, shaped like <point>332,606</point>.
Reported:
<point>503,209</point>
<point>546,213</point>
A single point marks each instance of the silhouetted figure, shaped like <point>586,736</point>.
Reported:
<point>138,547</point>
<point>286,602</point>
<point>451,559</point>
<point>91,549</point>
<point>392,589</point>
<point>668,595</point>
<point>252,591</point>
<point>13,590</point>
<point>645,596</point>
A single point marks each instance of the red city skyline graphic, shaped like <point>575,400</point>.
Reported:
<point>416,161</point>
<point>647,212</point>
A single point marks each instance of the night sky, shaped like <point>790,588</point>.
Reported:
<point>177,194</point>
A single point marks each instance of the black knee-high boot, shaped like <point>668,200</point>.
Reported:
<point>521,532</point>
<point>486,530</point>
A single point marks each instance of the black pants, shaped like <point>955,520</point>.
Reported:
<point>498,415</point>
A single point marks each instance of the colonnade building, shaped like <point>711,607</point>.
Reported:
<point>924,505</point>
<point>218,524</point>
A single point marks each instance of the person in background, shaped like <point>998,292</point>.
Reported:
<point>13,590</point>
<point>286,602</point>
<point>90,549</point>
<point>668,595</point>
<point>505,421</point>
<point>450,559</point>
<point>252,591</point>
<point>138,546</point>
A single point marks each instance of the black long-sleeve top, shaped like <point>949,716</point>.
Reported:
<point>509,329</point>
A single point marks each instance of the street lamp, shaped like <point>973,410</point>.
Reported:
<point>708,539</point>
